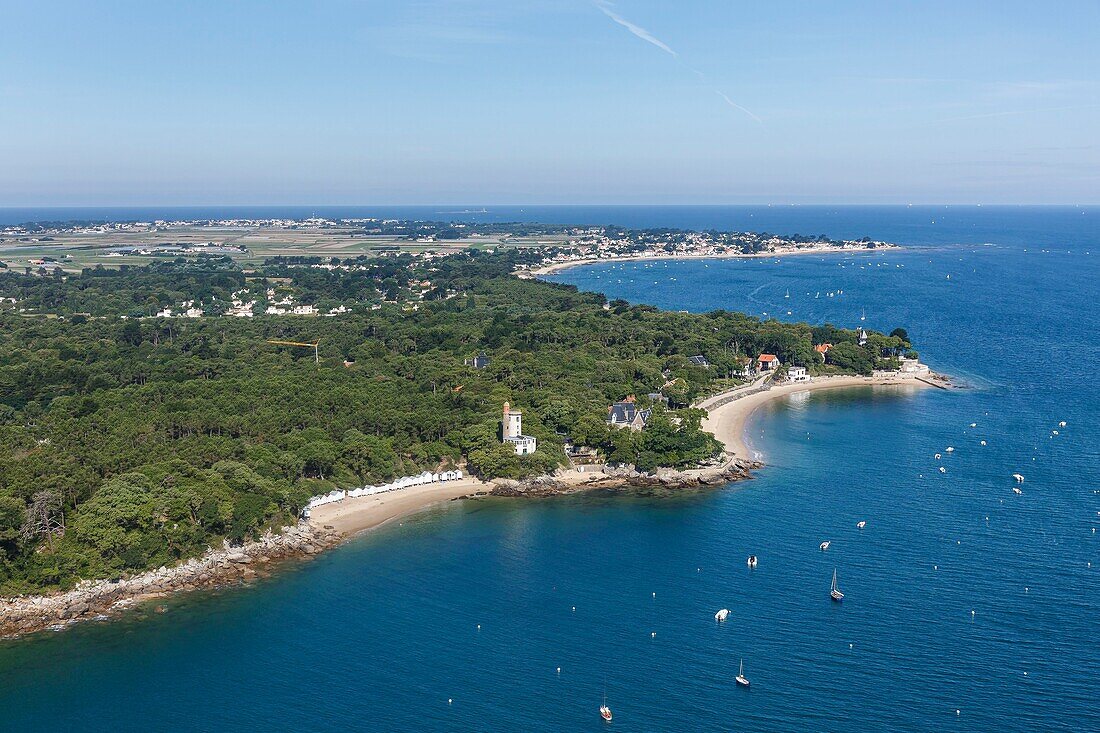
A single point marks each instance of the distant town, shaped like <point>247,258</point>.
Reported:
<point>60,249</point>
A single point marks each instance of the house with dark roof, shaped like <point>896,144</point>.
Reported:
<point>478,362</point>
<point>699,360</point>
<point>657,397</point>
<point>626,413</point>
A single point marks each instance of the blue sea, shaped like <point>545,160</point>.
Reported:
<point>967,607</point>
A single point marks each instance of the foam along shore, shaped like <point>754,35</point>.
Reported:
<point>357,514</point>
<point>729,412</point>
<point>550,268</point>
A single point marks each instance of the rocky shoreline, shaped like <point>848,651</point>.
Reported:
<point>101,599</point>
<point>97,600</point>
<point>627,478</point>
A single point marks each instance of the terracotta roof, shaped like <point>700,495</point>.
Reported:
<point>822,348</point>
<point>768,357</point>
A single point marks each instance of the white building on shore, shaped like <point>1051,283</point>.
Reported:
<point>512,431</point>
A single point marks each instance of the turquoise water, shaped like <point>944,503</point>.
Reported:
<point>381,633</point>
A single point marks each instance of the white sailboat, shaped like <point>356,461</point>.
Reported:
<point>787,294</point>
<point>741,678</point>
<point>835,593</point>
<point>605,712</point>
<point>863,316</point>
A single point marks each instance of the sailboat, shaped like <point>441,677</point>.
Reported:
<point>863,316</point>
<point>741,678</point>
<point>787,294</point>
<point>605,712</point>
<point>835,593</point>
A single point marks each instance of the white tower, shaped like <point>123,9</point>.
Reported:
<point>512,423</point>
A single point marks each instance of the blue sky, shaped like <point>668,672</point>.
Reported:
<point>548,101</point>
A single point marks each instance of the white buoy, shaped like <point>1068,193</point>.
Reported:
<point>479,627</point>
<point>654,595</point>
<point>559,670</point>
<point>983,442</point>
<point>449,701</point>
<point>574,608</point>
<point>652,634</point>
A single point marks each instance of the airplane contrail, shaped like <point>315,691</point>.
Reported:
<point>635,29</point>
<point>605,8</point>
<point>735,105</point>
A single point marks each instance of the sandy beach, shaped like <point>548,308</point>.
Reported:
<point>553,267</point>
<point>727,420</point>
<point>351,516</point>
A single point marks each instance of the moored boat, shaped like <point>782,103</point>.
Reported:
<point>741,678</point>
<point>835,593</point>
<point>722,614</point>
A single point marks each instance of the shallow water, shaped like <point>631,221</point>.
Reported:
<point>381,633</point>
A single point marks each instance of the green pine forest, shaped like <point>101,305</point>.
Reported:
<point>128,441</point>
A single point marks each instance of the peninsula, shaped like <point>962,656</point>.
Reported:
<point>166,426</point>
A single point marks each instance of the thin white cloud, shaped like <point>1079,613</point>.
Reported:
<point>637,30</point>
<point>735,105</point>
<point>1016,112</point>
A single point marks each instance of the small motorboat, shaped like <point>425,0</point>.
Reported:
<point>1019,477</point>
<point>1062,424</point>
<point>741,678</point>
<point>861,524</point>
<point>973,424</point>
<point>1017,491</point>
<point>983,442</point>
<point>721,615</point>
<point>949,449</point>
<point>938,456</point>
<point>835,593</point>
<point>751,562</point>
<point>943,470</point>
<point>824,545</point>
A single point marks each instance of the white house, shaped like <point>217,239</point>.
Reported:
<point>512,431</point>
<point>913,366</point>
<point>768,362</point>
<point>797,374</point>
